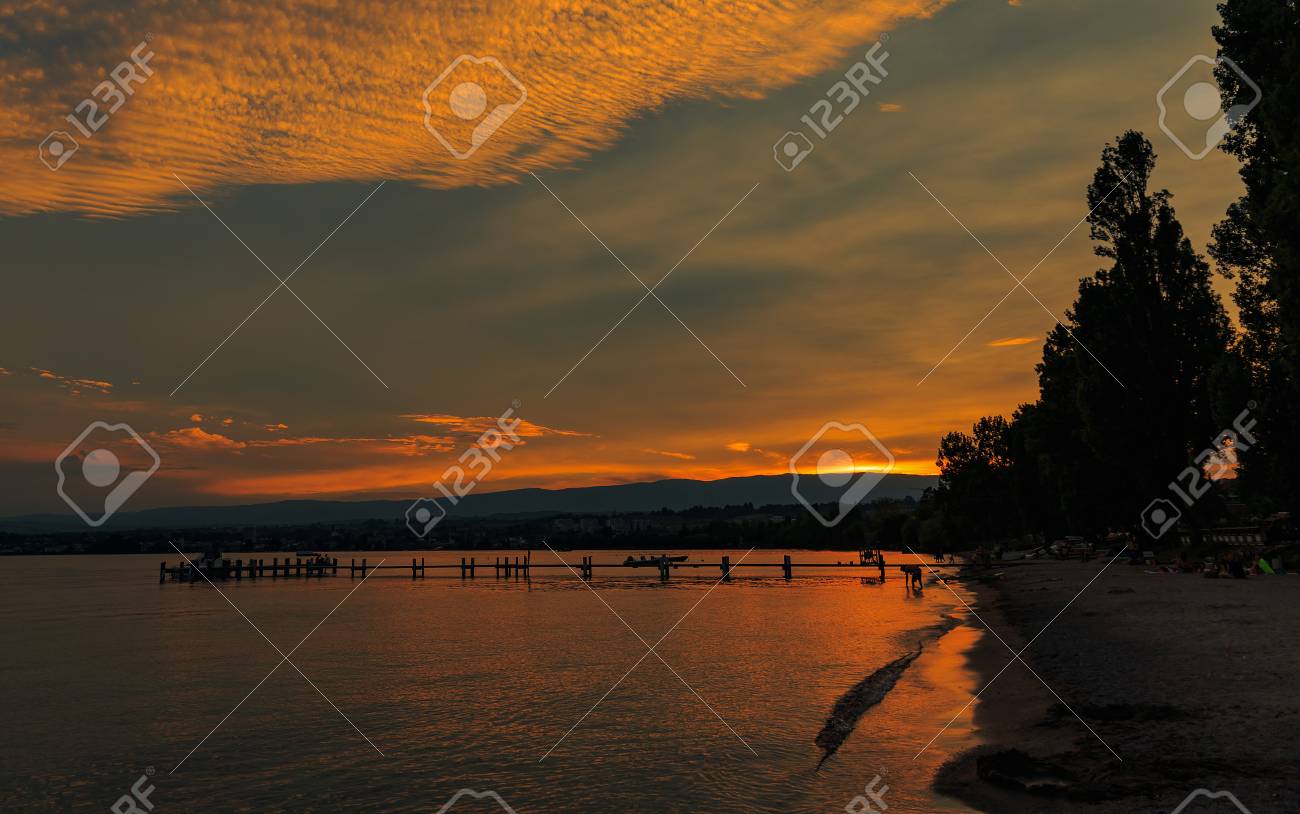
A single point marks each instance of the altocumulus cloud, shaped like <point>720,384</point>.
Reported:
<point>249,92</point>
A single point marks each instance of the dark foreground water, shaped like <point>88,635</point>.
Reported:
<point>467,685</point>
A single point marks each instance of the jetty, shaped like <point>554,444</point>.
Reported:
<point>503,567</point>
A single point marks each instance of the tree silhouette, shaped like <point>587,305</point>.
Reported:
<point>975,481</point>
<point>1131,365</point>
<point>1125,397</point>
<point>1258,243</point>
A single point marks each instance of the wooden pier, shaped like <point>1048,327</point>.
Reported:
<point>502,567</point>
<point>225,568</point>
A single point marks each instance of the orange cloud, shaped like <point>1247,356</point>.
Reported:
<point>197,438</point>
<point>298,94</point>
<point>477,425</point>
<point>681,456</point>
<point>1013,341</point>
<point>75,385</point>
<point>738,446</point>
<point>406,445</point>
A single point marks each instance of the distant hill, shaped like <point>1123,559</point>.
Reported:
<point>674,494</point>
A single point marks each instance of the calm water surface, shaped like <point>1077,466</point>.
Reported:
<point>468,685</point>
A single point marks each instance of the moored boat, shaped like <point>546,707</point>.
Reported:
<point>633,562</point>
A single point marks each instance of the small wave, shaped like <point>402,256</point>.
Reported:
<point>868,692</point>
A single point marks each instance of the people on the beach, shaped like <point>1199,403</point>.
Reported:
<point>1236,568</point>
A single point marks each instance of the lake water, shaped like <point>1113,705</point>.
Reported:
<point>468,685</point>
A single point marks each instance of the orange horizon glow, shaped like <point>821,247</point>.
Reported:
<point>415,480</point>
<point>217,455</point>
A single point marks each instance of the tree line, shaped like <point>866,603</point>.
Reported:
<point>1146,368</point>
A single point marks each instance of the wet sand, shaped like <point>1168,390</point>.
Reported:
<point>1193,682</point>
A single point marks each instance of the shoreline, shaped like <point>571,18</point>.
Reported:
<point>1189,680</point>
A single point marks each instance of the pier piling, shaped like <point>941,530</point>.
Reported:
<point>519,566</point>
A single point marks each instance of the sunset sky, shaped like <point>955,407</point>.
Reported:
<point>460,286</point>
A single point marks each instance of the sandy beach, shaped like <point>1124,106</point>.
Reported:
<point>1190,681</point>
